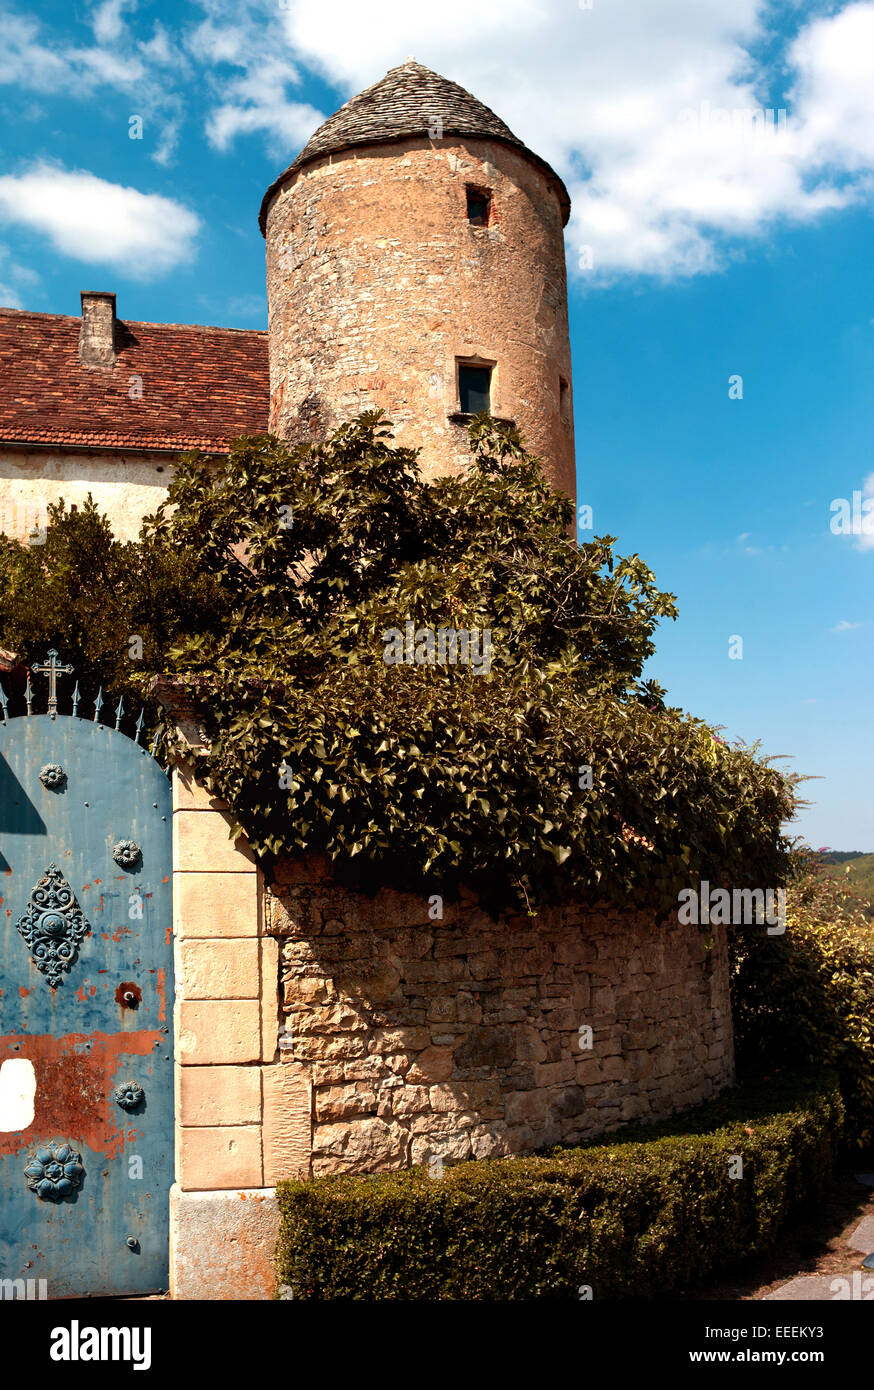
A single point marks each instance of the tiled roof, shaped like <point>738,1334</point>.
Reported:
<point>410,100</point>
<point>201,387</point>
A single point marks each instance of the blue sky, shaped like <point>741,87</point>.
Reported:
<point>704,245</point>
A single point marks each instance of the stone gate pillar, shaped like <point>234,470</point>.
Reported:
<point>242,1115</point>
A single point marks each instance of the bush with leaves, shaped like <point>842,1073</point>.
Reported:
<point>647,1212</point>
<point>435,773</point>
<point>88,595</point>
<point>807,996</point>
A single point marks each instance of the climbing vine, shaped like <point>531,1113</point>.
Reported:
<point>432,681</point>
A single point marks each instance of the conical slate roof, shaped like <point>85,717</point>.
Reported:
<point>408,101</point>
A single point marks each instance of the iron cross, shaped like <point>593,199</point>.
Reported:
<point>52,668</point>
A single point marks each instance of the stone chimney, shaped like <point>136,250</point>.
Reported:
<point>97,334</point>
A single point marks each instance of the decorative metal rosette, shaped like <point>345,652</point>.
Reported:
<point>127,854</point>
<point>53,925</point>
<point>53,777</point>
<point>129,1094</point>
<point>54,1171</point>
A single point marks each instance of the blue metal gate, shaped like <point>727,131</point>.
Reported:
<point>86,1006</point>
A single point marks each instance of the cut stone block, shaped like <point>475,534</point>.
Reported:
<point>229,1156</point>
<point>201,843</point>
<point>210,905</point>
<point>225,969</point>
<point>222,1243</point>
<point>218,1096</point>
<point>218,1031</point>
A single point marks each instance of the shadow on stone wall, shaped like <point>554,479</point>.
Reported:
<point>470,1037</point>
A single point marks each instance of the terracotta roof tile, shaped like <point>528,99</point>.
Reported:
<point>201,387</point>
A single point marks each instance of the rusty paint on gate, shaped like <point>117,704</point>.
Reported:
<point>86,1044</point>
<point>71,1092</point>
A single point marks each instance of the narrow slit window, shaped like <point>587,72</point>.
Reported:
<point>474,388</point>
<point>564,400</point>
<point>479,203</point>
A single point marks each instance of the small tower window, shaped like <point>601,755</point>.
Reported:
<point>564,400</point>
<point>474,388</point>
<point>479,205</point>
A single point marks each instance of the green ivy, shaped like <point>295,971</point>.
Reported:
<point>435,774</point>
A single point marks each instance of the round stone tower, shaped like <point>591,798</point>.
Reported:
<point>415,263</point>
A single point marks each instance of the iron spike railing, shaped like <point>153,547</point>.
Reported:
<point>52,668</point>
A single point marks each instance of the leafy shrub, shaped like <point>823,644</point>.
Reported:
<point>439,773</point>
<point>808,996</point>
<point>646,1214</point>
<point>270,579</point>
<point>87,594</point>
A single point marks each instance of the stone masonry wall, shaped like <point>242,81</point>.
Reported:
<point>378,285</point>
<point>461,1038</point>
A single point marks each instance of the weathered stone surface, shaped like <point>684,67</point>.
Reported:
<point>487,1047</point>
<point>221,969</point>
<point>270,1008</point>
<point>468,1043</point>
<point>218,1095</point>
<point>215,904</point>
<point>215,1158</point>
<point>339,1102</point>
<point>451,1145</point>
<point>218,1031</point>
<point>201,841</point>
<point>432,1064</point>
<point>287,1133</point>
<point>341,267</point>
<point>222,1243</point>
<point>363,1146</point>
<point>189,795</point>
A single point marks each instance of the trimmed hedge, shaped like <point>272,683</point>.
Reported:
<point>646,1214</point>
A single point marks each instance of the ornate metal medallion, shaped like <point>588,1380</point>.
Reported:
<point>128,1095</point>
<point>53,925</point>
<point>127,854</point>
<point>53,777</point>
<point>54,1171</point>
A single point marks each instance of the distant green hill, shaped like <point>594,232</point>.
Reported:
<point>854,868</point>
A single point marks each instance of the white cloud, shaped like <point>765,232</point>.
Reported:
<point>625,99</point>
<point>258,102</point>
<point>844,626</point>
<point>32,56</point>
<point>107,20</point>
<point>26,61</point>
<point>106,67</point>
<point>102,223</point>
<point>254,98</point>
<point>645,108</point>
<point>834,59</point>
